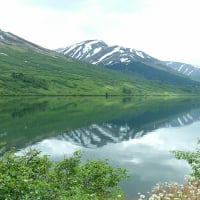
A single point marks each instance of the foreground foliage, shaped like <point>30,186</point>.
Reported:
<point>190,190</point>
<point>32,176</point>
<point>193,158</point>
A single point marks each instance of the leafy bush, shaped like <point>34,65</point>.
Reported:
<point>34,82</point>
<point>126,90</point>
<point>193,158</point>
<point>33,176</point>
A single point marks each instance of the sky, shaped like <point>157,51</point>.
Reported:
<point>164,29</point>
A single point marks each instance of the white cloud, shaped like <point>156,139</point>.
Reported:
<point>55,148</point>
<point>166,29</point>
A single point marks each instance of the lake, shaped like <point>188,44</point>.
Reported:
<point>135,133</point>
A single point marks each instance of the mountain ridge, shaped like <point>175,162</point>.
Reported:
<point>8,37</point>
<point>98,52</point>
<point>28,69</point>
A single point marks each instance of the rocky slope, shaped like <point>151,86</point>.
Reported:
<point>126,59</point>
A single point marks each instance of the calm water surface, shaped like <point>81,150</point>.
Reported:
<point>137,134</point>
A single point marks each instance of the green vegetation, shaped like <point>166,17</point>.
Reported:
<point>154,72</point>
<point>193,159</point>
<point>36,83</point>
<point>29,70</point>
<point>32,176</point>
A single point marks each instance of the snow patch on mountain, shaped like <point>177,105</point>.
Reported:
<point>124,60</point>
<point>139,53</point>
<point>95,51</point>
<point>108,54</point>
<point>1,37</point>
<point>124,129</point>
<point>110,62</point>
<point>185,71</point>
<point>180,67</point>
<point>180,122</point>
<point>88,46</point>
<point>75,55</point>
<point>139,134</point>
<point>70,49</point>
<point>131,50</point>
<point>190,72</point>
<point>98,52</point>
<point>189,116</point>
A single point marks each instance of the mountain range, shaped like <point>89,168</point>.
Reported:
<point>28,69</point>
<point>127,59</point>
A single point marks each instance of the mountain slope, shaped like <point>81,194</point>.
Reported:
<point>28,69</point>
<point>130,61</point>
<point>186,69</point>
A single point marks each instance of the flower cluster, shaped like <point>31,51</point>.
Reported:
<point>190,190</point>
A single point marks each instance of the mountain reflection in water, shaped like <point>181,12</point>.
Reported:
<point>98,135</point>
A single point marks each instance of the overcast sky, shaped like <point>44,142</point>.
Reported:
<point>165,29</point>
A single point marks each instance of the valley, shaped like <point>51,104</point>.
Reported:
<point>28,69</point>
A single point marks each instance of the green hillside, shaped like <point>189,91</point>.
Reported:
<point>27,69</point>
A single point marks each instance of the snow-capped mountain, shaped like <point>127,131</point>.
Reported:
<point>126,59</point>
<point>98,52</point>
<point>186,69</point>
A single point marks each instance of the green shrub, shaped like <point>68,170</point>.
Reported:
<point>126,90</point>
<point>34,82</point>
<point>33,176</point>
<point>193,159</point>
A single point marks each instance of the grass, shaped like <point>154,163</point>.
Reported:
<point>28,71</point>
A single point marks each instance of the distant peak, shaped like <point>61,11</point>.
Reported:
<point>197,66</point>
<point>97,52</point>
<point>94,41</point>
